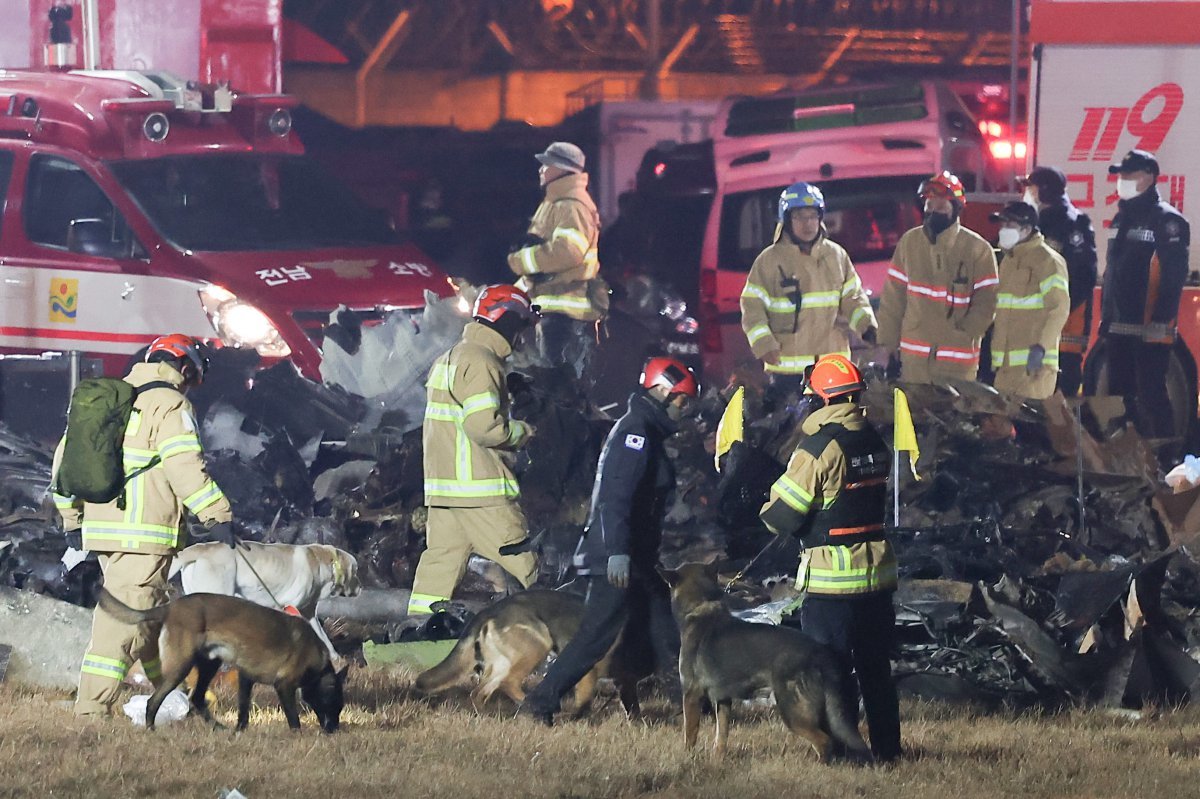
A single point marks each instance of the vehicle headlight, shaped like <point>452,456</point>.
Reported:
<point>240,324</point>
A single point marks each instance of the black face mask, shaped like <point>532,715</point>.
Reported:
<point>937,222</point>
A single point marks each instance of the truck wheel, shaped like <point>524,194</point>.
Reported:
<point>1181,387</point>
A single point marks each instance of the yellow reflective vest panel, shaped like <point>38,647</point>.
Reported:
<point>812,483</point>
<point>162,424</point>
<point>467,434</point>
<point>561,273</point>
<point>801,304</point>
<point>938,301</point>
<point>1032,308</point>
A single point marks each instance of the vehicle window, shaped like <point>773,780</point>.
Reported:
<point>6,165</point>
<point>230,202</point>
<point>661,237</point>
<point>866,216</point>
<point>60,195</point>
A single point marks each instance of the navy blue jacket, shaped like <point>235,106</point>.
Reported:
<point>635,482</point>
<point>1149,246</point>
<point>1069,231</point>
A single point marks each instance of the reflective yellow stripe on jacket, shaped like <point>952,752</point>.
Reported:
<point>796,364</point>
<point>858,569</point>
<point>443,409</point>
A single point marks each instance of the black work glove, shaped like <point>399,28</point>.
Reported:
<point>893,367</point>
<point>1037,356</point>
<point>868,336</point>
<point>528,240</point>
<point>224,533</point>
<point>75,539</point>
<point>518,384</point>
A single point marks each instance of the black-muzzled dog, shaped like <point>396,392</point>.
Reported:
<point>723,658</point>
<point>202,631</point>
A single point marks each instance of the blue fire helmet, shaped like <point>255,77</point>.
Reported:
<point>801,195</point>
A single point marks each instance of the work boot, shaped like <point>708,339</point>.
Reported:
<point>539,714</point>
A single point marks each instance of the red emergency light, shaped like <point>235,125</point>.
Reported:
<point>991,128</point>
<point>1005,150</point>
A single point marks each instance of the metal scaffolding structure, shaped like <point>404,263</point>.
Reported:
<point>792,37</point>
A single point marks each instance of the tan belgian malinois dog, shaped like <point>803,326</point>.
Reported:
<point>264,645</point>
<point>506,641</point>
<point>723,658</point>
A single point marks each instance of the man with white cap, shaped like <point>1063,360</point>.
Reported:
<point>557,262</point>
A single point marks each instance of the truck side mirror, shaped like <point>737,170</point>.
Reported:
<point>94,237</point>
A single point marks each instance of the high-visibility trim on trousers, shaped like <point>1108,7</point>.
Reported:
<point>422,604</point>
<point>109,668</point>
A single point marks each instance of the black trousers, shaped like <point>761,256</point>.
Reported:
<point>861,630</point>
<point>1070,373</point>
<point>1137,371</point>
<point>645,606</point>
<point>563,340</point>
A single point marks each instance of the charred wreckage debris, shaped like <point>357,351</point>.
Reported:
<point>1042,561</point>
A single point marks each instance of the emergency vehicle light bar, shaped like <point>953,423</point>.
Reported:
<point>824,110</point>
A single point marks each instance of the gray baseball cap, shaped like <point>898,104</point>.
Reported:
<point>563,155</point>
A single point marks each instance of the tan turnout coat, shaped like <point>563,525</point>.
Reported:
<point>939,300</point>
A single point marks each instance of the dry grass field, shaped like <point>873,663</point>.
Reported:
<point>394,746</point>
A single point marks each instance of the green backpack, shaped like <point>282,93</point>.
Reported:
<point>92,467</point>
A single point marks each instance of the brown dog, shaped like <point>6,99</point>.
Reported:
<point>723,658</point>
<point>264,645</point>
<point>506,641</point>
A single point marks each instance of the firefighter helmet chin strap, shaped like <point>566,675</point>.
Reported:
<point>799,242</point>
<point>510,325</point>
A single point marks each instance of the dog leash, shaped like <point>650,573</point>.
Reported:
<point>240,554</point>
<point>742,573</point>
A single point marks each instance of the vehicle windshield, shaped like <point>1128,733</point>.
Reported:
<point>867,216</point>
<point>249,201</point>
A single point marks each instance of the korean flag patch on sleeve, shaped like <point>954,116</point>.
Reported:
<point>635,442</point>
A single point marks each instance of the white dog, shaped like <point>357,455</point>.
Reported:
<point>274,575</point>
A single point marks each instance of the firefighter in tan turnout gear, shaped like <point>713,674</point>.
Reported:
<point>137,535</point>
<point>798,291</point>
<point>940,296</point>
<point>557,262</point>
<point>1032,307</point>
<point>468,439</point>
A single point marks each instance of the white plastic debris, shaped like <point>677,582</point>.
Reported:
<point>394,357</point>
<point>72,557</point>
<point>222,429</point>
<point>770,613</point>
<point>1186,475</point>
<point>174,708</point>
<point>231,793</point>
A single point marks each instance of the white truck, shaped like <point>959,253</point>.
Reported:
<point>1108,77</point>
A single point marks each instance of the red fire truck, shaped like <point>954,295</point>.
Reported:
<point>137,203</point>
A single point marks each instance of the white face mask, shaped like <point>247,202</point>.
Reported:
<point>1127,188</point>
<point>1009,238</point>
<point>1030,198</point>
